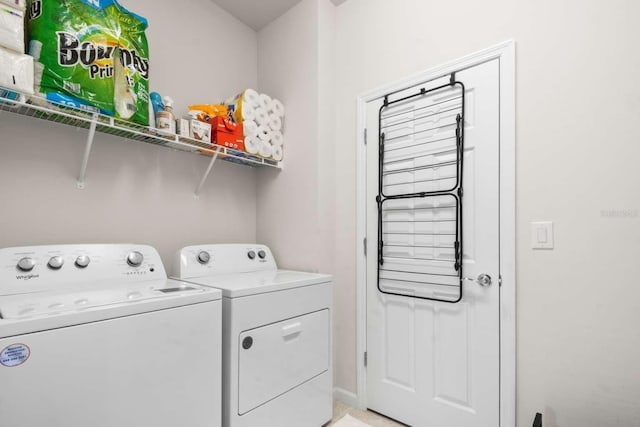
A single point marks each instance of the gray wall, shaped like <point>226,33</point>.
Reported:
<point>288,217</point>
<point>578,103</point>
<point>138,192</point>
<point>296,211</point>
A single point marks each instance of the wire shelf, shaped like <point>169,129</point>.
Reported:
<point>31,106</point>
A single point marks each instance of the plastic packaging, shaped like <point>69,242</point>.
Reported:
<point>131,92</point>
<point>12,28</point>
<point>17,4</point>
<point>94,53</point>
<point>78,42</point>
<point>124,97</point>
<point>211,110</point>
<point>16,72</point>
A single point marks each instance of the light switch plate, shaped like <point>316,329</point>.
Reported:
<point>542,235</point>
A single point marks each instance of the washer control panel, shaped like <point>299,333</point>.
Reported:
<point>205,260</point>
<point>36,268</point>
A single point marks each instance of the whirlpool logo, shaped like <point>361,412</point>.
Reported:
<point>27,276</point>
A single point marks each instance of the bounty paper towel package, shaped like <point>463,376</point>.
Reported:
<point>78,44</point>
<point>16,72</point>
<point>12,28</point>
<point>94,55</point>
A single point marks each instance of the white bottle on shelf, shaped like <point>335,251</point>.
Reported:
<point>166,120</point>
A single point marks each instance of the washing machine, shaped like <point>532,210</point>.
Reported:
<point>276,335</point>
<point>96,335</point>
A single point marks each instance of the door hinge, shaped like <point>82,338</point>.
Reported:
<point>365,358</point>
<point>365,246</point>
<point>365,136</point>
<point>500,280</point>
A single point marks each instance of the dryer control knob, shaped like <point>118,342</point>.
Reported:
<point>251,255</point>
<point>135,258</point>
<point>82,261</point>
<point>262,254</point>
<point>56,263</point>
<point>26,264</point>
<point>204,257</point>
<point>247,343</point>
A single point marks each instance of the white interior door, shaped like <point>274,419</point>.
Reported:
<point>431,363</point>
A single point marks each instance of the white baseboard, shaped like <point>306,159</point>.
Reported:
<point>346,397</point>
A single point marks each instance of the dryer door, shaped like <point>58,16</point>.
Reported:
<point>276,358</point>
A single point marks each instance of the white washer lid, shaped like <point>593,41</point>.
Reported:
<point>172,293</point>
<point>244,284</point>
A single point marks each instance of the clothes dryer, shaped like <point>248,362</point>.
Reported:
<point>277,335</point>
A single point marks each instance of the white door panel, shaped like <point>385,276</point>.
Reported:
<point>435,364</point>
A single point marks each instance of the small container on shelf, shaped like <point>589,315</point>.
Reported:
<point>227,133</point>
<point>199,130</point>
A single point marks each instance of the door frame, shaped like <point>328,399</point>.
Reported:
<point>505,53</point>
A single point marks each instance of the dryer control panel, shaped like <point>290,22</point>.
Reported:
<point>207,260</point>
<point>40,268</point>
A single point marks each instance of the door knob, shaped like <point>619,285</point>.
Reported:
<point>483,280</point>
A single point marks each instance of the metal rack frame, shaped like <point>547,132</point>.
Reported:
<point>456,192</point>
<point>31,106</point>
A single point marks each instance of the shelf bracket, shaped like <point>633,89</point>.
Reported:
<point>207,172</point>
<point>87,153</point>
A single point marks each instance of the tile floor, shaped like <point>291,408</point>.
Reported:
<point>340,410</point>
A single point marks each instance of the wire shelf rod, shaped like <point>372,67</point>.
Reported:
<point>421,108</point>
<point>416,119</point>
<point>394,138</point>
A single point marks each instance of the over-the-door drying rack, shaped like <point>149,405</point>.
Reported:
<point>420,192</point>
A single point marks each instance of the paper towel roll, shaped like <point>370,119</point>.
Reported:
<point>266,150</point>
<point>16,71</point>
<point>251,96</point>
<point>262,118</point>
<point>278,108</point>
<point>12,28</point>
<point>248,112</point>
<point>277,139</point>
<point>275,122</point>
<point>266,102</point>
<point>17,4</point>
<point>264,133</point>
<point>278,153</point>
<point>250,128</point>
<point>244,104</point>
<point>252,144</point>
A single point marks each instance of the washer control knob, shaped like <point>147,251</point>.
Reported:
<point>82,261</point>
<point>204,257</point>
<point>135,258</point>
<point>56,263</point>
<point>26,264</point>
<point>262,254</point>
<point>251,255</point>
